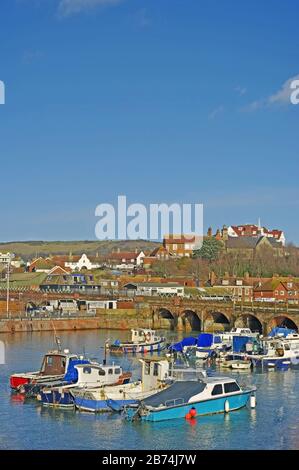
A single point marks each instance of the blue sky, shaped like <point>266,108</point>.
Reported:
<point>162,101</point>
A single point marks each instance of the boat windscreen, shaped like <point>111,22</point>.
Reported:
<point>179,390</point>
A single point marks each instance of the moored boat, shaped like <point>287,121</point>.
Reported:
<point>208,345</point>
<point>205,396</point>
<point>279,352</point>
<point>57,366</point>
<point>155,376</point>
<point>241,364</point>
<point>228,336</point>
<point>88,375</point>
<point>143,340</point>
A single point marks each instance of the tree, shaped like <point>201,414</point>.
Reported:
<point>210,250</point>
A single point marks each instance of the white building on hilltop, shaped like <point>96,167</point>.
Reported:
<point>251,230</point>
<point>82,262</point>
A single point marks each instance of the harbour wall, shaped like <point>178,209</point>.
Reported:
<point>117,319</point>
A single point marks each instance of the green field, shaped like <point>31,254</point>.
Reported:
<point>32,249</point>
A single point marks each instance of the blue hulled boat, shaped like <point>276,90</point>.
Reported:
<point>205,396</point>
<point>90,374</point>
<point>154,377</point>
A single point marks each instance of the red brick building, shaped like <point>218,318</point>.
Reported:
<point>276,290</point>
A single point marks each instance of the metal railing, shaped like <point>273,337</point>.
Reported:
<point>48,315</point>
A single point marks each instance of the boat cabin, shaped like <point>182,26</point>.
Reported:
<point>154,372</point>
<point>57,362</point>
<point>279,347</point>
<point>94,375</point>
<point>214,387</point>
<point>228,336</point>
<point>144,335</point>
<point>191,391</point>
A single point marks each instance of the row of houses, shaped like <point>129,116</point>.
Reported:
<point>251,289</point>
<point>246,239</point>
<point>249,231</point>
<point>246,289</point>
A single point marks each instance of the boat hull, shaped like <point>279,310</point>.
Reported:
<point>141,348</point>
<point>205,407</point>
<point>273,363</point>
<point>100,406</point>
<point>17,381</point>
<point>31,385</point>
<point>57,399</point>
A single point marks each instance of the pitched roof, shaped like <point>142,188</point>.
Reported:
<point>127,255</point>
<point>245,230</point>
<point>242,242</point>
<point>58,270</point>
<point>274,283</point>
<point>270,285</point>
<point>159,249</point>
<point>154,284</point>
<point>173,238</point>
<point>251,242</point>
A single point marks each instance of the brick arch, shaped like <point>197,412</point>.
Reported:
<point>283,321</point>
<point>215,320</point>
<point>167,319</point>
<point>165,313</point>
<point>191,320</point>
<point>248,320</point>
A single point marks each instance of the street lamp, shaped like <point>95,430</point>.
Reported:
<point>10,257</point>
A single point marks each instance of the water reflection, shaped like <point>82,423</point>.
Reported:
<point>273,424</point>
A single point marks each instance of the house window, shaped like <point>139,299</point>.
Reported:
<point>281,292</point>
<point>174,246</point>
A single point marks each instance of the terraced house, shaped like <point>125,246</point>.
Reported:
<point>277,290</point>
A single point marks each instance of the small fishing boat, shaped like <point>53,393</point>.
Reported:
<point>56,365</point>
<point>208,345</point>
<point>279,352</point>
<point>186,399</point>
<point>142,341</point>
<point>228,337</point>
<point>155,376</point>
<point>241,365</point>
<point>88,375</point>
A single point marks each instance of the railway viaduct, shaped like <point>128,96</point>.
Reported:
<point>202,315</point>
<point>183,314</point>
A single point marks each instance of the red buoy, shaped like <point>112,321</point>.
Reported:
<point>192,412</point>
<point>188,416</point>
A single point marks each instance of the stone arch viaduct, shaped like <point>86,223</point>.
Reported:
<point>186,315</point>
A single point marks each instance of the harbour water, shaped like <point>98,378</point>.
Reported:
<point>273,424</point>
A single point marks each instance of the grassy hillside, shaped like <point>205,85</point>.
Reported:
<point>30,249</point>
